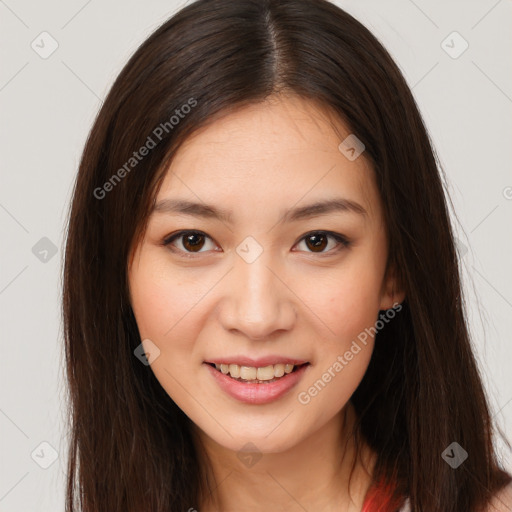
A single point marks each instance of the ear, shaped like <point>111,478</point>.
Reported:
<point>392,291</point>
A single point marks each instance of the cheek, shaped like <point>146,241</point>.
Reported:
<point>152,305</point>
<point>162,300</point>
<point>163,305</point>
<point>342,356</point>
<point>349,301</point>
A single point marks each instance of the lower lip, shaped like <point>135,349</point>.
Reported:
<point>257,393</point>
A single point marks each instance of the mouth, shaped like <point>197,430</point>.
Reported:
<point>257,385</point>
<point>257,375</point>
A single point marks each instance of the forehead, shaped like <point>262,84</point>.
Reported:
<point>283,151</point>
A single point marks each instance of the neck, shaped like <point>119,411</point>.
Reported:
<point>313,475</point>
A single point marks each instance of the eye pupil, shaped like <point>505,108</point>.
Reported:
<point>191,241</point>
<point>319,242</point>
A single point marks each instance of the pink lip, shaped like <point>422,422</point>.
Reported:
<point>260,362</point>
<point>257,394</point>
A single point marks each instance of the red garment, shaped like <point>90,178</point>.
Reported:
<point>379,499</point>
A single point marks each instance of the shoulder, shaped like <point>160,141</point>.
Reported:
<point>502,500</point>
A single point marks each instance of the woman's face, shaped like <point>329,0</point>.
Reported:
<point>254,277</point>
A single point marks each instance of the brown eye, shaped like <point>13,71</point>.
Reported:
<point>191,241</point>
<point>317,242</point>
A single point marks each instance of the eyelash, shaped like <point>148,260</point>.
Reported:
<point>342,240</point>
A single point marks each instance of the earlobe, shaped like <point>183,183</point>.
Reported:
<point>392,291</point>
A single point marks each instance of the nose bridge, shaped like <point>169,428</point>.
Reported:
<point>259,302</point>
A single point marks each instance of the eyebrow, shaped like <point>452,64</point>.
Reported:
<point>184,207</point>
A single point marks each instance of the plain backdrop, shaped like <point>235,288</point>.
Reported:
<point>47,108</point>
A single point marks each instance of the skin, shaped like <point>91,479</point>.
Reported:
<point>291,301</point>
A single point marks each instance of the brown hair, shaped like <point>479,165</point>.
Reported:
<point>131,447</point>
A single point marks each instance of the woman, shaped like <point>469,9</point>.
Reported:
<point>262,301</point>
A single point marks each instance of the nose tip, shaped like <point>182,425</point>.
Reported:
<point>259,304</point>
<point>260,323</point>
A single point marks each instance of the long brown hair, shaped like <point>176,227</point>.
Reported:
<point>131,447</point>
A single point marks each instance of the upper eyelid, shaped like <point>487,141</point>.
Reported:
<point>175,236</point>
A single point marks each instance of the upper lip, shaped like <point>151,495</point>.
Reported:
<point>259,362</point>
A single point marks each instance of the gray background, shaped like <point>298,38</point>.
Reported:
<point>47,108</point>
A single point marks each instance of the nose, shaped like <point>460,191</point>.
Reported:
<point>257,302</point>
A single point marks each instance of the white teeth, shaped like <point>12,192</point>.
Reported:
<point>279,370</point>
<point>248,372</point>
<point>265,373</point>
<point>234,370</point>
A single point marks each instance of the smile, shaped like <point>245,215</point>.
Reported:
<point>256,385</point>
<point>252,374</point>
